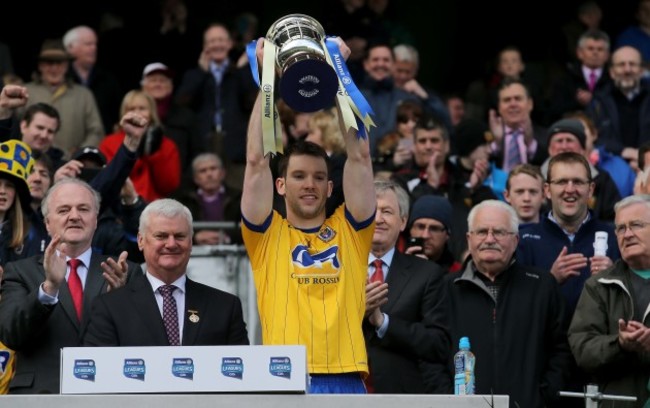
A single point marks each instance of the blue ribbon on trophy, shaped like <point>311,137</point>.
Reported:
<point>312,74</point>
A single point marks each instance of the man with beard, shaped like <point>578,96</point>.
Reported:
<point>621,111</point>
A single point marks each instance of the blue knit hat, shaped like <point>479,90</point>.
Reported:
<point>432,206</point>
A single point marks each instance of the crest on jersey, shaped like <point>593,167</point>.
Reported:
<point>326,234</point>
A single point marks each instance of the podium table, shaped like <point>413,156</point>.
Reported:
<point>255,401</point>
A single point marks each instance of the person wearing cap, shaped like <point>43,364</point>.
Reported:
<point>568,135</point>
<point>430,219</point>
<point>222,95</point>
<point>81,123</point>
<point>179,121</point>
<point>81,43</point>
<point>432,172</point>
<point>16,164</point>
<point>405,326</point>
<point>40,312</point>
<point>474,140</point>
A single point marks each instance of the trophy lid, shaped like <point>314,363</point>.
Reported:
<point>293,24</point>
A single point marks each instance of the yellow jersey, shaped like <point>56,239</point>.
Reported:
<point>311,287</point>
<point>7,364</point>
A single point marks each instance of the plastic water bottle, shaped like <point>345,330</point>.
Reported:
<point>464,361</point>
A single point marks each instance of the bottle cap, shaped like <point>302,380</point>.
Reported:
<point>464,342</point>
<point>600,243</point>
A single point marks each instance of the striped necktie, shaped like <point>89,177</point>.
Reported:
<point>513,156</point>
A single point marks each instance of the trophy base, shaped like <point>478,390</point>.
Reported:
<point>309,85</point>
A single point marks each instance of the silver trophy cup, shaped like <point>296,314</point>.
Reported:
<point>307,81</point>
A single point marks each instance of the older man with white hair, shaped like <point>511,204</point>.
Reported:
<point>610,331</point>
<point>494,300</point>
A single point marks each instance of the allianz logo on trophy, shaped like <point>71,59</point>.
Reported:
<point>312,75</point>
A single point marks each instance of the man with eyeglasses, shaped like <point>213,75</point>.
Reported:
<point>610,331</point>
<point>621,110</point>
<point>496,300</point>
<point>569,135</point>
<point>563,241</point>
<point>430,220</point>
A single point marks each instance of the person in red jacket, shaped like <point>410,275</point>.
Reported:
<point>157,172</point>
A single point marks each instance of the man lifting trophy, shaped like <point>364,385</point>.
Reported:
<point>311,72</point>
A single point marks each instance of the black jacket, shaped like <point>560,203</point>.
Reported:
<point>519,340</point>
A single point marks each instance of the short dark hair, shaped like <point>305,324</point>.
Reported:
<point>506,82</point>
<point>302,148</point>
<point>45,109</point>
<point>45,160</point>
<point>568,157</point>
<point>643,149</point>
<point>593,34</point>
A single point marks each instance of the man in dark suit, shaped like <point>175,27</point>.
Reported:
<point>517,139</point>
<point>140,314</point>
<point>405,327</point>
<point>40,310</point>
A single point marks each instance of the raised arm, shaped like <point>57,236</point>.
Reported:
<point>257,194</point>
<point>358,186</point>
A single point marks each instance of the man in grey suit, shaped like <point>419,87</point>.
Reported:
<point>405,326</point>
<point>143,314</point>
<point>38,311</point>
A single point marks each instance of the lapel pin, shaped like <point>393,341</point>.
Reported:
<point>194,317</point>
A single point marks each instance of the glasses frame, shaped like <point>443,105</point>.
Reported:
<point>498,233</point>
<point>576,182</point>
<point>634,226</point>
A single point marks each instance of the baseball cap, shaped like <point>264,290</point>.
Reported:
<point>157,67</point>
<point>90,153</point>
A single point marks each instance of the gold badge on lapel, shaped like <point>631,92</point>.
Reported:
<point>194,317</point>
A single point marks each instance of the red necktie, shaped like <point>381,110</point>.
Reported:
<point>378,276</point>
<point>74,284</point>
